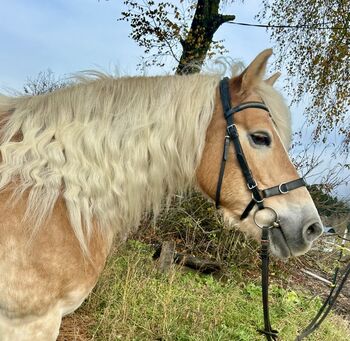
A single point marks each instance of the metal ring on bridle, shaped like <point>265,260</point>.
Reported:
<point>256,200</point>
<point>281,190</point>
<point>274,223</point>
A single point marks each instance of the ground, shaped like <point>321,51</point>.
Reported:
<point>79,325</point>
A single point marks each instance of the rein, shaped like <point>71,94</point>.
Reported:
<point>333,293</point>
<point>258,195</point>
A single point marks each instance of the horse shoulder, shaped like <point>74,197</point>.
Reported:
<point>45,268</point>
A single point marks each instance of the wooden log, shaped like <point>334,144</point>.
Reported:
<point>201,265</point>
<point>166,257</point>
<point>167,250</point>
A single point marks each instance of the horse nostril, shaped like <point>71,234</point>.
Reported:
<point>312,232</point>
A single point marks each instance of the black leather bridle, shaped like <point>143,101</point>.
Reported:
<point>258,195</point>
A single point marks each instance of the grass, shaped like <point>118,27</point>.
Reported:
<point>132,301</point>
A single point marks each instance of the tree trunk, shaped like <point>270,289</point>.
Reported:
<point>205,23</point>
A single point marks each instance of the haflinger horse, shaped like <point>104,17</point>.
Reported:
<point>80,167</point>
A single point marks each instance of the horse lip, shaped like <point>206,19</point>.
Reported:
<point>279,245</point>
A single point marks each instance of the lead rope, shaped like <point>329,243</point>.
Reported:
<point>270,334</point>
<point>332,296</point>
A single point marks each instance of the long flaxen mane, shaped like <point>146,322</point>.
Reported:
<point>113,148</point>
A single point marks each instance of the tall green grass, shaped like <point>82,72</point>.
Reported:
<point>132,301</point>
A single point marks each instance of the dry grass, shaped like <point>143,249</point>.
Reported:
<point>133,301</point>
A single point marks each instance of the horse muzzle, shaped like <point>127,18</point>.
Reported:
<point>293,238</point>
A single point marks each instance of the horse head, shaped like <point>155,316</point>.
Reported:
<point>262,125</point>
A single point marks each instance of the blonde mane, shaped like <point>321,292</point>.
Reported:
<point>279,111</point>
<point>112,148</point>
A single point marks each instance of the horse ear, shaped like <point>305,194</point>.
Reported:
<point>255,72</point>
<point>271,80</point>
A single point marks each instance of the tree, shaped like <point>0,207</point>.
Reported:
<point>325,175</point>
<point>312,40</point>
<point>327,204</point>
<point>43,83</point>
<point>316,54</point>
<point>163,26</point>
<point>312,43</point>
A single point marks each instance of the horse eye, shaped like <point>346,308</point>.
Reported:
<point>261,139</point>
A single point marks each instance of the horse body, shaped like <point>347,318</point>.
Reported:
<point>45,276</point>
<point>80,167</point>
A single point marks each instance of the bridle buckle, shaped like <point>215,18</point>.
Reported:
<point>232,131</point>
<point>250,187</point>
<point>231,126</point>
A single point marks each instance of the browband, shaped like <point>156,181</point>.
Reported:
<point>246,105</point>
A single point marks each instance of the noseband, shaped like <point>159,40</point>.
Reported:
<point>258,195</point>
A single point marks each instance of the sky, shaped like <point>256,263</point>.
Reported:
<point>73,35</point>
<point>67,36</point>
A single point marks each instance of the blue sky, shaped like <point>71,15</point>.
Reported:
<point>72,35</point>
<point>67,36</point>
